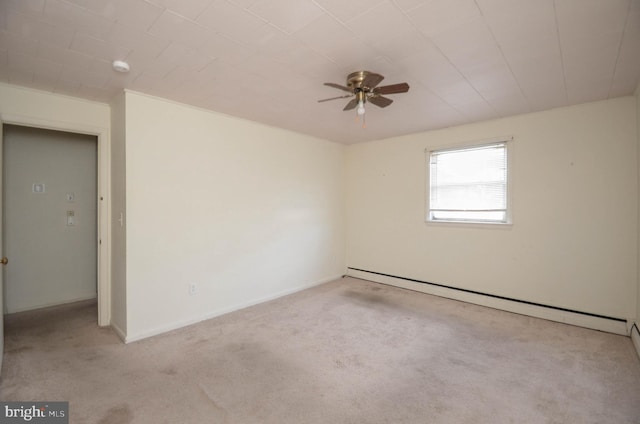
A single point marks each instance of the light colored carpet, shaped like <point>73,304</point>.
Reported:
<point>349,351</point>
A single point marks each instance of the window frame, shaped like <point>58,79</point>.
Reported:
<point>509,147</point>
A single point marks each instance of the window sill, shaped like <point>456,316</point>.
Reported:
<point>470,224</point>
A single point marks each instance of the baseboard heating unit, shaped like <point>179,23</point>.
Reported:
<point>569,316</point>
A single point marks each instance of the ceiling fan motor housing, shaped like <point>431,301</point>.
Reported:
<point>355,79</point>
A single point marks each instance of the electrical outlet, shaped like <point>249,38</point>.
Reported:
<point>193,288</point>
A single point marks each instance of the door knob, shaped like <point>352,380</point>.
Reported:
<point>4,261</point>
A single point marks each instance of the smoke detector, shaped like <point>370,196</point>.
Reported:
<point>120,66</point>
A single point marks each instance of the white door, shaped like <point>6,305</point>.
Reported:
<point>50,217</point>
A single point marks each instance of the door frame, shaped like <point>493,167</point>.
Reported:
<point>104,200</point>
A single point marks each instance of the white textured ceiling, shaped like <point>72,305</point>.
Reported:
<point>266,60</point>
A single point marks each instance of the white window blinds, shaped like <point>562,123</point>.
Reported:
<point>469,184</point>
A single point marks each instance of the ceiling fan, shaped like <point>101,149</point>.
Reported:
<point>364,86</point>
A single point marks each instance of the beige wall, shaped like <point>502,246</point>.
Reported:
<point>52,111</point>
<point>51,262</point>
<point>245,211</point>
<point>573,242</point>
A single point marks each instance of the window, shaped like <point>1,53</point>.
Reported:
<point>469,184</point>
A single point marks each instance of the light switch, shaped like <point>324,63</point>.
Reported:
<point>38,188</point>
<point>71,197</point>
<point>71,218</point>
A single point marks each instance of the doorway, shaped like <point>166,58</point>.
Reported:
<point>50,217</point>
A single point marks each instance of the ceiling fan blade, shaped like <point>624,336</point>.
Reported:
<point>338,86</point>
<point>335,98</point>
<point>371,80</point>
<point>380,101</point>
<point>352,104</point>
<point>403,87</point>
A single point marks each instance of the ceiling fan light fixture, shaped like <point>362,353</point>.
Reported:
<point>360,110</point>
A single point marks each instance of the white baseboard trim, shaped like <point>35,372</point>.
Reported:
<point>635,338</point>
<point>567,317</point>
<point>221,311</point>
<point>119,332</point>
<point>52,304</point>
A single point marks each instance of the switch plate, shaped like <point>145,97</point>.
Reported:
<point>71,197</point>
<point>38,188</point>
<point>71,218</point>
<point>193,288</point>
